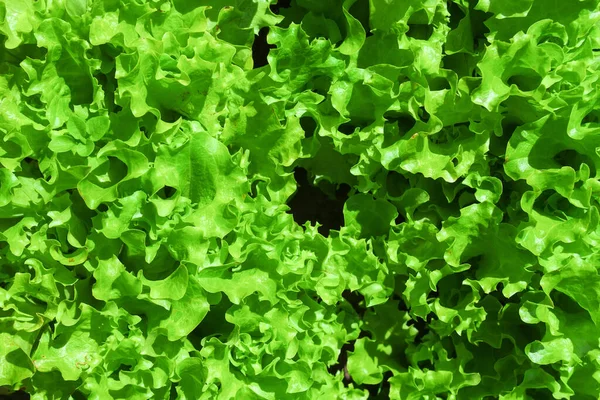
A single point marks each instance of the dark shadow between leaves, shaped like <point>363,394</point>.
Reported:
<point>456,14</point>
<point>396,184</point>
<point>451,289</point>
<point>593,117</point>
<point>422,326</point>
<point>478,27</point>
<point>503,300</point>
<point>574,159</point>
<point>17,395</point>
<point>109,173</point>
<point>30,168</point>
<point>418,26</point>
<point>360,11</point>
<point>170,116</point>
<point>437,83</point>
<point>342,361</point>
<point>308,125</point>
<point>19,54</point>
<point>310,203</point>
<point>350,127</point>
<point>213,324</point>
<point>261,48</point>
<point>462,63</point>
<point>276,8</point>
<point>356,300</point>
<point>166,192</point>
<point>525,79</point>
<point>404,121</point>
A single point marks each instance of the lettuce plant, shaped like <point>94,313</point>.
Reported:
<point>340,199</point>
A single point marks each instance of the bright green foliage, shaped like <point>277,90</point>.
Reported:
<point>147,250</point>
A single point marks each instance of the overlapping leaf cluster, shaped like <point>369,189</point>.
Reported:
<point>147,250</point>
